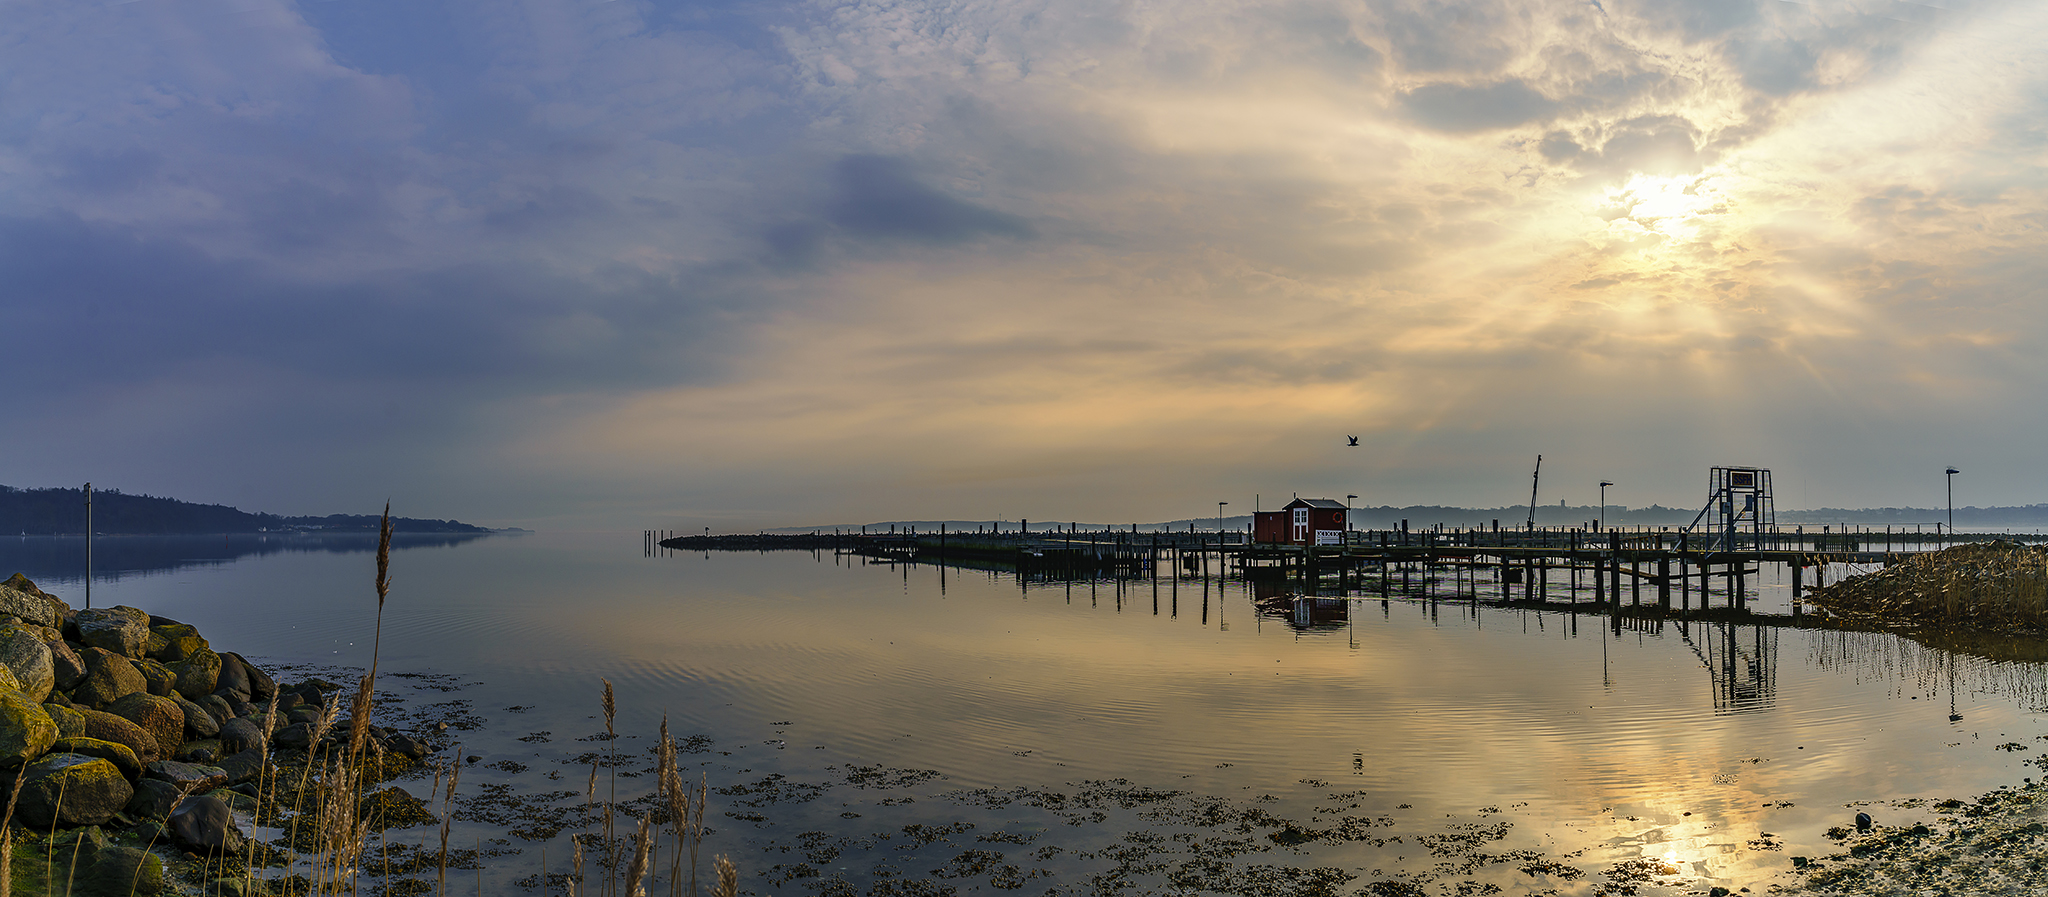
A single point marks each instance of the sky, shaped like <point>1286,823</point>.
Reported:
<point>578,265</point>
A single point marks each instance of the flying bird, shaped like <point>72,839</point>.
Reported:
<point>1354,439</point>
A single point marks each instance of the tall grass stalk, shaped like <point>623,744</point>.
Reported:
<point>7,836</point>
<point>611,804</point>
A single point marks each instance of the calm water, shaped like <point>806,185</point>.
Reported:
<point>1550,734</point>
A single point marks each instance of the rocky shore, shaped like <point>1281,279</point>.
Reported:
<point>127,739</point>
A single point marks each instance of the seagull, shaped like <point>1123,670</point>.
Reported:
<point>1354,439</point>
<point>1863,822</point>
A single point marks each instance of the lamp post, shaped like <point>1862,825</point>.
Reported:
<point>1603,503</point>
<point>1348,499</point>
<point>1219,520</point>
<point>1952,501</point>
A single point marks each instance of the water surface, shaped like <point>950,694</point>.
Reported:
<point>1685,743</point>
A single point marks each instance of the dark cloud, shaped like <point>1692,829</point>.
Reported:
<point>1458,107</point>
<point>879,197</point>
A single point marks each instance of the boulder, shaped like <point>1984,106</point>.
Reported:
<point>239,734</point>
<point>216,707</point>
<point>24,654</point>
<point>243,766</point>
<point>108,727</point>
<point>120,629</point>
<point>205,751</point>
<point>153,799</point>
<point>303,715</point>
<point>159,716</point>
<point>297,736</point>
<point>26,730</point>
<point>29,604</point>
<point>198,723</point>
<point>160,679</point>
<point>232,681</point>
<point>198,675</point>
<point>204,825</point>
<point>113,752</point>
<point>261,686</point>
<point>191,777</point>
<point>406,745</point>
<point>121,871</point>
<point>112,677</point>
<point>92,790</point>
<point>178,642</point>
<point>69,668</point>
<point>70,723</point>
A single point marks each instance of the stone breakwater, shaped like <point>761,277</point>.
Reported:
<point>112,719</point>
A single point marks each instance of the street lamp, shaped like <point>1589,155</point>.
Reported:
<point>1219,517</point>
<point>1952,501</point>
<point>1348,499</point>
<point>1603,503</point>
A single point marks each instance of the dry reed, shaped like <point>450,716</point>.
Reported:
<point>1985,584</point>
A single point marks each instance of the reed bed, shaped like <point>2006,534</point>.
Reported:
<point>1992,585</point>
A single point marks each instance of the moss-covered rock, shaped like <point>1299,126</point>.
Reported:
<point>160,679</point>
<point>71,790</point>
<point>161,717</point>
<point>120,629</point>
<point>69,667</point>
<point>21,600</point>
<point>198,675</point>
<point>26,731</point>
<point>25,655</point>
<point>198,722</point>
<point>179,642</point>
<point>70,722</point>
<point>120,871</point>
<point>108,727</point>
<point>122,756</point>
<point>112,676</point>
<point>153,799</point>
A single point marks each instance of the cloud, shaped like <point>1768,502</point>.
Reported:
<point>1459,108</point>
<point>879,198</point>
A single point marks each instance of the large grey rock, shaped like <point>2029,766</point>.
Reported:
<point>153,799</point>
<point>198,675</point>
<point>173,642</point>
<point>239,734</point>
<point>113,752</point>
<point>232,682</point>
<point>198,723</point>
<point>113,677</point>
<point>216,707</point>
<point>121,871</point>
<point>26,730</point>
<point>244,766</point>
<point>203,825</point>
<point>24,654</point>
<point>160,679</point>
<point>108,727</point>
<point>261,686</point>
<point>159,716</point>
<point>191,777</point>
<point>70,722</point>
<point>69,668</point>
<point>21,600</point>
<point>121,629</point>
<point>92,790</point>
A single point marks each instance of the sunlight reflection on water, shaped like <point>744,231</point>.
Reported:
<point>1679,742</point>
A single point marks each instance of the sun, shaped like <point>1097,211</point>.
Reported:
<point>1661,208</point>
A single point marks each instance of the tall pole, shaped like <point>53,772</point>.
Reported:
<point>88,545</point>
<point>1952,502</point>
<point>1348,499</point>
<point>1219,521</point>
<point>1534,479</point>
<point>1603,503</point>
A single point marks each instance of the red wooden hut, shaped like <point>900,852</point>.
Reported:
<point>1304,521</point>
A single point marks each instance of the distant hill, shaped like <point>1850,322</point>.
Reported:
<point>62,511</point>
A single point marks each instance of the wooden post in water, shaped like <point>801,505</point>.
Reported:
<point>1664,582</point>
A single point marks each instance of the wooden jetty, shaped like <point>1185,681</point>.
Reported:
<point>1659,571</point>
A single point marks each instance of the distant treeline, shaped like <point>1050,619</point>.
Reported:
<point>62,511</point>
